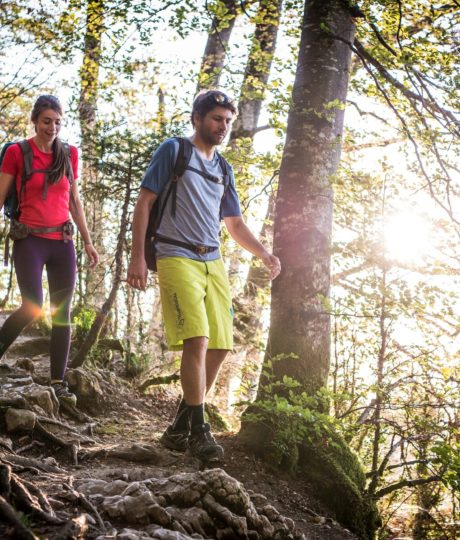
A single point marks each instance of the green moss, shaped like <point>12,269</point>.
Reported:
<point>306,443</point>
<point>109,429</point>
<point>339,482</point>
<point>215,418</point>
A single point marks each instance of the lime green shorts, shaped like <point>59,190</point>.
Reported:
<point>196,301</point>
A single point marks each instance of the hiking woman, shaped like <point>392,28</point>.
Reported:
<point>42,231</point>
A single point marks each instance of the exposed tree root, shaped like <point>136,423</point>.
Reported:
<point>74,413</point>
<point>71,447</point>
<point>86,504</point>
<point>136,452</point>
<point>29,446</point>
<point>29,503</point>
<point>32,463</point>
<point>8,516</point>
<point>15,494</point>
<point>75,433</point>
<point>154,381</point>
<point>16,402</point>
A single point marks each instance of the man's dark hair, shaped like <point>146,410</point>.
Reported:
<point>209,99</point>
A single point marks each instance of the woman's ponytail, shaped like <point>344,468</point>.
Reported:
<point>60,160</point>
<point>59,166</point>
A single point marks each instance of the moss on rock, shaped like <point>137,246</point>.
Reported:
<point>315,451</point>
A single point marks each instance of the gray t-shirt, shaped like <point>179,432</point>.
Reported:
<point>200,203</point>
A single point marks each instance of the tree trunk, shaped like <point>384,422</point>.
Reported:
<point>248,307</point>
<point>101,317</point>
<point>300,323</point>
<point>257,69</point>
<point>89,81</point>
<point>213,59</point>
<point>9,289</point>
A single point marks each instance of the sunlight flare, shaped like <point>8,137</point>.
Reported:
<point>407,236</point>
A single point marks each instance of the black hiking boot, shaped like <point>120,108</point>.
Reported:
<point>63,393</point>
<point>175,440</point>
<point>202,444</point>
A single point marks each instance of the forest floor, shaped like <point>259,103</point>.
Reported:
<point>129,417</point>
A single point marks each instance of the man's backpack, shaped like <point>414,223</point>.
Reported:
<point>11,205</point>
<point>181,165</point>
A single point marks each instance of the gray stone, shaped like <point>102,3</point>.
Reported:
<point>87,387</point>
<point>20,420</point>
<point>41,398</point>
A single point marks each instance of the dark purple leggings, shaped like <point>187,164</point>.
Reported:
<point>30,255</point>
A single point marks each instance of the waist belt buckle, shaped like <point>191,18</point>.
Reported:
<point>201,250</point>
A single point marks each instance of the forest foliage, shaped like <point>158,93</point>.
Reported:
<point>127,72</point>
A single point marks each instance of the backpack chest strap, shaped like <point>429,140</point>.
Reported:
<point>215,179</point>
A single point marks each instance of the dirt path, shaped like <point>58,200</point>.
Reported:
<point>122,447</point>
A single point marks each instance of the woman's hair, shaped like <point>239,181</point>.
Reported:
<point>60,161</point>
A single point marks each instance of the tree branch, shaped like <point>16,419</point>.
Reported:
<point>430,105</point>
<point>406,483</point>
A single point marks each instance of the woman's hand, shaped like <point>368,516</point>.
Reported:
<point>92,254</point>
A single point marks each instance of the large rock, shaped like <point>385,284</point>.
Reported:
<point>19,419</point>
<point>41,399</point>
<point>87,387</point>
<point>208,504</point>
<point>31,347</point>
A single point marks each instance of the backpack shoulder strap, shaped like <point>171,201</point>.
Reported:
<point>27,157</point>
<point>68,166</point>
<point>69,174</point>
<point>225,168</point>
<point>184,155</point>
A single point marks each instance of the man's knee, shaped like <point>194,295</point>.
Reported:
<point>196,346</point>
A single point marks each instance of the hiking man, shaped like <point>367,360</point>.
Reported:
<point>194,289</point>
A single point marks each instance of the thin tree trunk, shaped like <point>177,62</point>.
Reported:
<point>255,80</point>
<point>380,386</point>
<point>427,495</point>
<point>219,34</point>
<point>4,301</point>
<point>299,336</point>
<point>101,317</point>
<point>248,309</point>
<point>248,321</point>
<point>257,70</point>
<point>89,82</point>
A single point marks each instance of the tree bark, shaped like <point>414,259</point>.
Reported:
<point>248,309</point>
<point>219,34</point>
<point>89,81</point>
<point>257,69</point>
<point>101,317</point>
<point>299,336</point>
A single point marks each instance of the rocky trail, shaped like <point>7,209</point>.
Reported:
<point>98,472</point>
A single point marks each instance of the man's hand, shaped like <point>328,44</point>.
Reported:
<point>273,264</point>
<point>137,269</point>
<point>137,273</point>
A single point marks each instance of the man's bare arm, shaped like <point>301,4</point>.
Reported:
<point>137,269</point>
<point>241,233</point>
